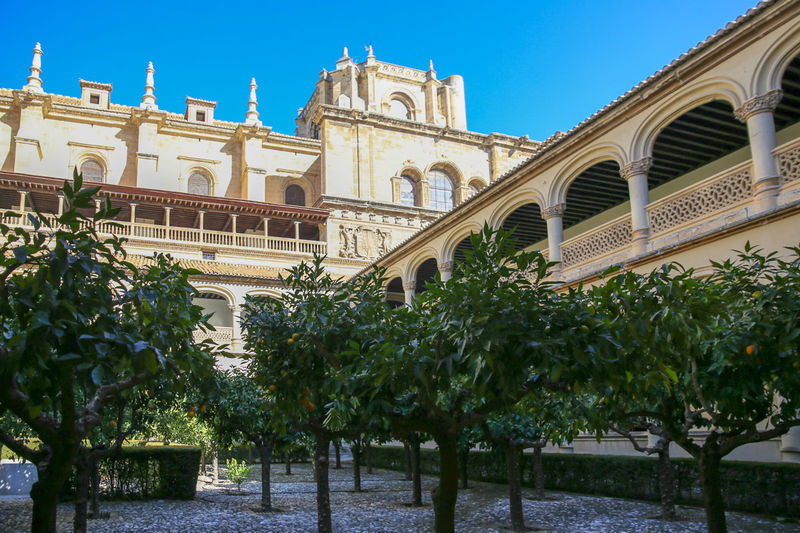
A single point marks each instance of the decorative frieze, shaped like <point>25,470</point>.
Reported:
<point>759,104</point>
<point>789,165</point>
<point>607,239</point>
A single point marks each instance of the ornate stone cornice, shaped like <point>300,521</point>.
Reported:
<point>446,267</point>
<point>635,168</point>
<point>553,211</point>
<point>410,285</point>
<point>759,104</point>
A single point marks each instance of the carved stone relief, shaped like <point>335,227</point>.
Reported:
<point>363,242</point>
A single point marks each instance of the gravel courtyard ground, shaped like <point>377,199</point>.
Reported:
<point>382,508</point>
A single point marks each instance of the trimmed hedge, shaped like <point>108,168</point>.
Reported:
<point>769,488</point>
<point>148,472</point>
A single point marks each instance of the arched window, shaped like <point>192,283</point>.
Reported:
<point>295,195</point>
<point>91,170</point>
<point>199,184</point>
<point>399,109</point>
<point>441,190</point>
<point>408,192</point>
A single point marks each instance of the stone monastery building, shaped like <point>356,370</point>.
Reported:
<point>688,165</point>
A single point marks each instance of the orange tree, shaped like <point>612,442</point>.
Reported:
<point>720,355</point>
<point>478,343</point>
<point>238,409</point>
<point>80,326</point>
<point>542,417</point>
<point>309,351</point>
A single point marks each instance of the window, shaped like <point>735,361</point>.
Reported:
<point>408,194</point>
<point>200,116</point>
<point>94,99</point>
<point>209,256</point>
<point>91,170</point>
<point>397,108</point>
<point>295,195</point>
<point>199,184</point>
<point>441,190</point>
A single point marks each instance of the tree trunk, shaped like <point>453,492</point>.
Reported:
<point>288,464</point>
<point>79,521</point>
<point>514,488</point>
<point>337,445</point>
<point>44,493</point>
<point>407,449</point>
<point>265,452</point>
<point>203,461</point>
<point>95,490</point>
<point>538,473</point>
<point>464,463</point>
<point>666,485</point>
<point>321,461</point>
<point>369,457</point>
<point>416,471</point>
<point>708,462</point>
<point>356,449</point>
<point>446,493</point>
<point>214,465</point>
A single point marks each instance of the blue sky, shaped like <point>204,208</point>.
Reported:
<point>529,67</point>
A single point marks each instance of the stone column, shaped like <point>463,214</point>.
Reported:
<point>757,113</point>
<point>446,270</point>
<point>202,225</point>
<point>167,212</point>
<point>410,290</point>
<point>236,333</point>
<point>60,204</point>
<point>266,233</point>
<point>233,228</point>
<point>23,196</point>
<point>553,215</point>
<point>635,173</point>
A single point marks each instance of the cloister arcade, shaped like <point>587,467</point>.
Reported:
<point>702,155</point>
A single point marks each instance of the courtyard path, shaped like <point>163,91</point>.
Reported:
<point>382,508</point>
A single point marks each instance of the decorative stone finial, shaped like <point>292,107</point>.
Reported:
<point>344,53</point>
<point>430,65</point>
<point>149,99</point>
<point>370,53</point>
<point>34,81</point>
<point>252,104</point>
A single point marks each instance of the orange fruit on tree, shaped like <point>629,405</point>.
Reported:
<point>283,372</point>
<point>113,424</point>
<point>190,414</point>
<point>290,340</point>
<point>202,408</point>
<point>273,388</point>
<point>750,349</point>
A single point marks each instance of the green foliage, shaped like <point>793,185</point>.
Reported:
<point>238,472</point>
<point>309,346</point>
<point>769,488</point>
<point>149,472</point>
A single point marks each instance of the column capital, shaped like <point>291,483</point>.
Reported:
<point>759,104</point>
<point>446,267</point>
<point>635,168</point>
<point>410,285</point>
<point>553,211</point>
<point>235,308</point>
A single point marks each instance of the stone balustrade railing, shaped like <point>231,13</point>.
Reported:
<point>598,242</point>
<point>191,236</point>
<point>221,336</point>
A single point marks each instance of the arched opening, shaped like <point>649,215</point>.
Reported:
<point>408,191</point>
<point>395,295</point>
<point>399,109</point>
<point>595,190</point>
<point>475,186</point>
<point>528,226</point>
<point>440,185</point>
<point>688,146</point>
<point>199,184</point>
<point>92,170</point>
<point>788,111</point>
<point>460,252</point>
<point>221,316</point>
<point>426,273</point>
<point>294,195</point>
